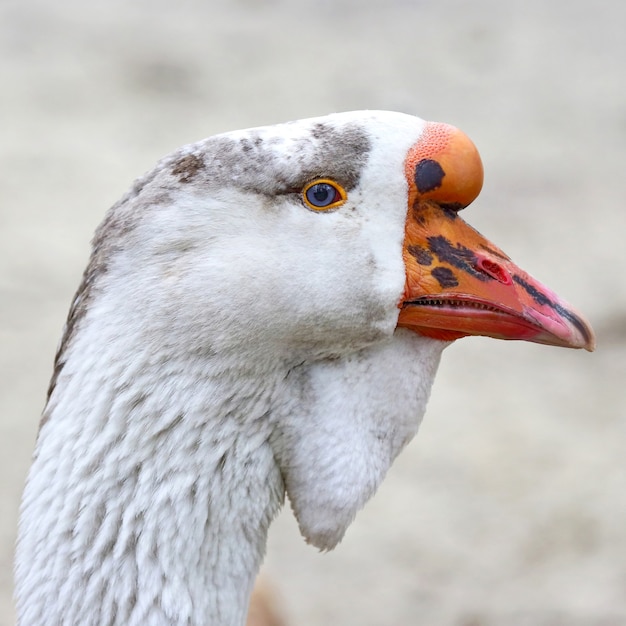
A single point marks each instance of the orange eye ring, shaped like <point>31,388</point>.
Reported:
<point>323,194</point>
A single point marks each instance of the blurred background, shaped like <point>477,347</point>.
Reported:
<point>510,506</point>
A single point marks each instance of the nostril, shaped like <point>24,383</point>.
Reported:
<point>493,269</point>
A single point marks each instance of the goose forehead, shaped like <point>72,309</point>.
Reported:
<point>373,123</point>
<point>280,159</point>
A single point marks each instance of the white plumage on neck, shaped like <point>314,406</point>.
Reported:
<point>357,414</point>
<point>227,343</point>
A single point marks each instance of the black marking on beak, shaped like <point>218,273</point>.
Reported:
<point>445,277</point>
<point>421,255</point>
<point>543,300</point>
<point>458,256</point>
<point>495,253</point>
<point>450,209</point>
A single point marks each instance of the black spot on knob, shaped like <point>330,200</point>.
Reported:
<point>445,277</point>
<point>428,175</point>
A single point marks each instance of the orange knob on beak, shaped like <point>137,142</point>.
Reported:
<point>457,282</point>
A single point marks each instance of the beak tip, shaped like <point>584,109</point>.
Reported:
<point>590,346</point>
<point>582,337</point>
<point>582,330</point>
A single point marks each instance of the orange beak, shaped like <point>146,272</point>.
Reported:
<point>457,282</point>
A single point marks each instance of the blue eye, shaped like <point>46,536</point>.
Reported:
<point>323,194</point>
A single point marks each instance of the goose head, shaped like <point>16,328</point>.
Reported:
<point>317,238</point>
<point>264,311</point>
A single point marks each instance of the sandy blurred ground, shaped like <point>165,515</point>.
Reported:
<point>510,507</point>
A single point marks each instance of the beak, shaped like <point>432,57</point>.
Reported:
<point>457,282</point>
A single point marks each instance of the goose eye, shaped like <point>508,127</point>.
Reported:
<point>321,195</point>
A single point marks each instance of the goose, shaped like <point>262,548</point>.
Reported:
<point>262,315</point>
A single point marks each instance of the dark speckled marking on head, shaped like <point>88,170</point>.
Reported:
<point>272,165</point>
<point>320,129</point>
<point>458,256</point>
<point>428,175</point>
<point>344,149</point>
<point>421,255</point>
<point>543,300</point>
<point>445,277</point>
<point>187,167</point>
